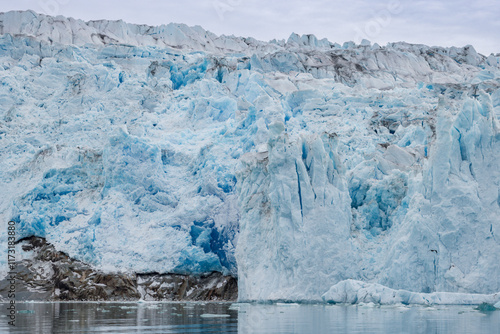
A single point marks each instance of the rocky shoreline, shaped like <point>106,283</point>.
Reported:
<point>51,275</point>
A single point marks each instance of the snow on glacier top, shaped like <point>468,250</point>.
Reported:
<point>71,31</point>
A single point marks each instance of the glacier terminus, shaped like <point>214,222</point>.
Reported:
<point>311,171</point>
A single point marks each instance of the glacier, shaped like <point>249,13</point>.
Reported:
<point>294,165</point>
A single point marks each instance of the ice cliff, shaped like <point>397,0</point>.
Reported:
<point>294,165</point>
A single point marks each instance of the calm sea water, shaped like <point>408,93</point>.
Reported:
<point>244,318</point>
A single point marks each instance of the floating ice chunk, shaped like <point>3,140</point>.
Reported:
<point>210,315</point>
<point>354,292</point>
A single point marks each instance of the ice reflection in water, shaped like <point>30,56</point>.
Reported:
<point>319,318</point>
<point>246,318</point>
<point>124,318</point>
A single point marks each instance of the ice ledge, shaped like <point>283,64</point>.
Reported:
<point>356,292</point>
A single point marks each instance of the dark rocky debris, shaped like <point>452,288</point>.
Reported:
<point>51,275</point>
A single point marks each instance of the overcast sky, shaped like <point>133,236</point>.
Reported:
<point>431,22</point>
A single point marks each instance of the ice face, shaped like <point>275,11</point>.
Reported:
<point>294,210</point>
<point>295,165</point>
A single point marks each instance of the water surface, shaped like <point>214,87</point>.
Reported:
<point>245,318</point>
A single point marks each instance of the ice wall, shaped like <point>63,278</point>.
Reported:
<point>295,218</point>
<point>295,165</point>
<point>451,226</point>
